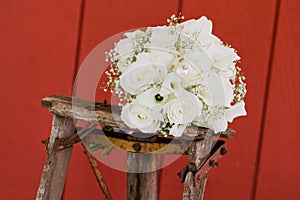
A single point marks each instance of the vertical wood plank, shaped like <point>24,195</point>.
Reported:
<point>278,176</point>
<point>247,26</point>
<point>38,44</point>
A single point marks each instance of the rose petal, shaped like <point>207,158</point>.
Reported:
<point>237,110</point>
<point>177,130</point>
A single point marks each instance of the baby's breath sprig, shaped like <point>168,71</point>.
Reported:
<point>112,84</point>
<point>240,86</point>
<point>212,113</point>
<point>175,20</point>
<point>166,126</point>
<point>196,89</point>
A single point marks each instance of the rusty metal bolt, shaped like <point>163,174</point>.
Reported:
<point>137,146</point>
<point>199,178</point>
<point>223,151</point>
<point>214,163</point>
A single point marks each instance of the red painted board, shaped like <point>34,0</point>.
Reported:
<point>103,19</point>
<point>279,176</point>
<point>248,27</point>
<point>37,47</point>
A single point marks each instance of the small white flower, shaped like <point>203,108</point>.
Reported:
<point>139,117</point>
<point>173,83</point>
<point>153,100</point>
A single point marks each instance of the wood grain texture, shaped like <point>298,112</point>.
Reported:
<point>194,186</point>
<point>142,185</point>
<point>56,167</point>
<point>279,176</point>
<point>248,27</point>
<point>38,43</point>
<point>104,114</point>
<point>193,191</point>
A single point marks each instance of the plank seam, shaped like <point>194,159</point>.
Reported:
<point>266,99</point>
<point>79,39</point>
<point>180,2</point>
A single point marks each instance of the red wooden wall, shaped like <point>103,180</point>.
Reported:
<point>43,42</point>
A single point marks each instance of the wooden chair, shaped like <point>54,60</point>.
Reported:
<point>203,151</point>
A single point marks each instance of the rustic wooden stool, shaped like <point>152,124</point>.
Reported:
<point>203,152</point>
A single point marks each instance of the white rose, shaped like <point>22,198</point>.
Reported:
<point>161,37</point>
<point>202,25</point>
<point>139,75</point>
<point>124,51</point>
<point>199,59</point>
<point>183,110</point>
<point>124,48</point>
<point>223,57</point>
<point>195,66</point>
<point>159,57</point>
<point>200,32</point>
<point>218,91</point>
<point>137,116</point>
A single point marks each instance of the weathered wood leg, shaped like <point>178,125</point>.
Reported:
<point>97,172</point>
<point>142,186</point>
<point>55,170</point>
<point>198,153</point>
<point>193,189</point>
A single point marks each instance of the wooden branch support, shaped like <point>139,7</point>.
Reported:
<point>55,170</point>
<point>100,179</point>
<point>203,153</point>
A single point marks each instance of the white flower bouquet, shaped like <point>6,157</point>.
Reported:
<point>170,77</point>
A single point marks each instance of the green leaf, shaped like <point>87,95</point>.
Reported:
<point>106,151</point>
<point>108,128</point>
<point>95,147</point>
